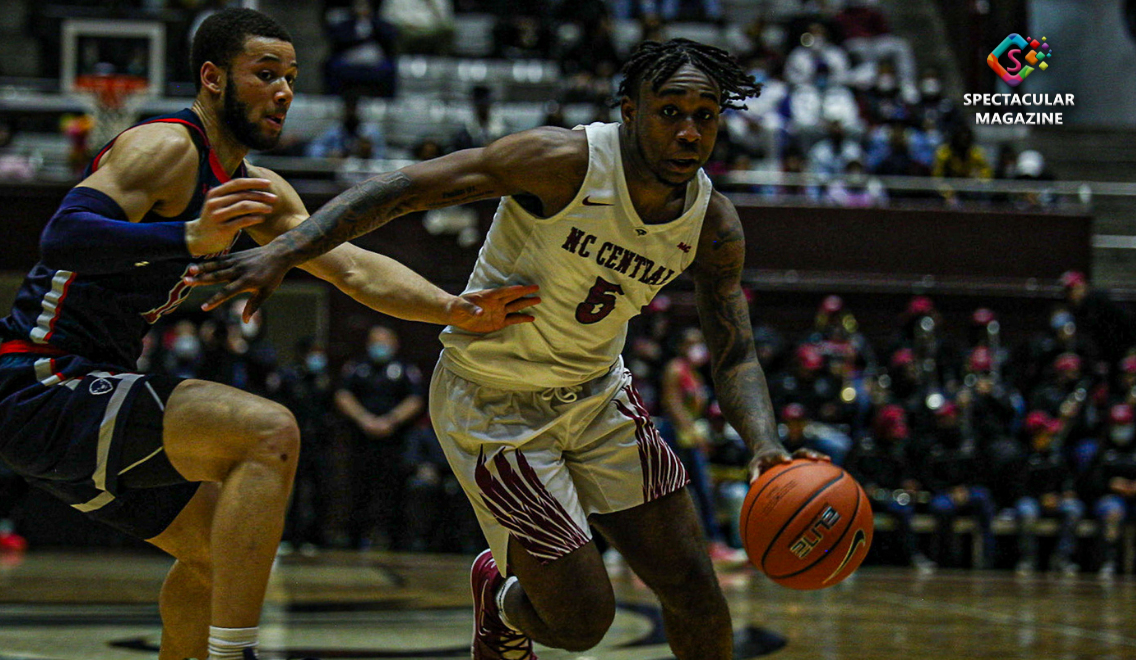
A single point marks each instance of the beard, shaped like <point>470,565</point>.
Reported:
<point>236,118</point>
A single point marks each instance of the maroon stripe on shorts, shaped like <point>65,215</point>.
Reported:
<point>521,503</point>
<point>663,473</point>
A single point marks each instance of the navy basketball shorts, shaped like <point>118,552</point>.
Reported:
<point>92,438</point>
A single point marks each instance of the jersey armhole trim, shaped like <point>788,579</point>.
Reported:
<point>576,199</point>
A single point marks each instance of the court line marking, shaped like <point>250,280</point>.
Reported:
<point>1002,618</point>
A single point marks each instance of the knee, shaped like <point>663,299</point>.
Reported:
<point>274,436</point>
<point>588,630</point>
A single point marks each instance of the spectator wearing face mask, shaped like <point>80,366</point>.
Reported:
<point>684,401</point>
<point>238,353</point>
<point>182,356</point>
<point>885,99</point>
<point>1110,483</point>
<point>868,39</point>
<point>306,389</point>
<point>934,108</point>
<point>381,397</point>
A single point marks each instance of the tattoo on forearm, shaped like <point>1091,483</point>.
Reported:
<point>355,212</point>
<point>459,196</point>
<point>460,192</point>
<point>738,379</point>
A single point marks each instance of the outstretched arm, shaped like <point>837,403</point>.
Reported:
<point>539,162</point>
<point>739,382</point>
<point>388,286</point>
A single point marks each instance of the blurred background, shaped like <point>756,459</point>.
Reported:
<point>944,307</point>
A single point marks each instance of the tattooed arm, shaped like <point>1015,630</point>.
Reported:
<point>739,382</point>
<point>548,164</point>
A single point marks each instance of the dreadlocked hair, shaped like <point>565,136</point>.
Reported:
<point>656,62</point>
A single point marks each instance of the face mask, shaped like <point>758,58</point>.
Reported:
<point>1122,435</point>
<point>380,353</point>
<point>316,362</point>
<point>186,347</point>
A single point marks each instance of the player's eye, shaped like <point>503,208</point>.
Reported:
<point>670,111</point>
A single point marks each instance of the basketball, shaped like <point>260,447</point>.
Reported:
<point>806,524</point>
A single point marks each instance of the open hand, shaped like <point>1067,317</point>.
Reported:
<point>258,271</point>
<point>492,309</point>
<point>228,208</point>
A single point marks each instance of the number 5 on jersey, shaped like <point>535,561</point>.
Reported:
<point>599,303</point>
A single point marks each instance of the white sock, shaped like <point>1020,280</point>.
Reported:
<point>229,643</point>
<point>501,602</point>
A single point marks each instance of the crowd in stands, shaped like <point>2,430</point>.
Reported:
<point>843,102</point>
<point>931,423</point>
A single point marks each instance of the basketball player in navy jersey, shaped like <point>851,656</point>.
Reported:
<point>539,420</point>
<point>200,470</point>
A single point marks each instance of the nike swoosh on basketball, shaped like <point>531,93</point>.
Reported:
<point>858,539</point>
<point>588,202</point>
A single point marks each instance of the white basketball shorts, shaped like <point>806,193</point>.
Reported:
<point>535,465</point>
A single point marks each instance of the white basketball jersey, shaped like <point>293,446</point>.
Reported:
<point>597,264</point>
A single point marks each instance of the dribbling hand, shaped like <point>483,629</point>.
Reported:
<point>776,455</point>
<point>228,208</point>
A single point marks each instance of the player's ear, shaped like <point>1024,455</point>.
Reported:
<point>212,77</point>
<point>627,109</point>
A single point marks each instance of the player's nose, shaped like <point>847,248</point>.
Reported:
<point>688,131</point>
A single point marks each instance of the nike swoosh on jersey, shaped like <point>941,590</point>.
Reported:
<point>588,202</point>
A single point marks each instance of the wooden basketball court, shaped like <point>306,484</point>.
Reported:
<point>347,605</point>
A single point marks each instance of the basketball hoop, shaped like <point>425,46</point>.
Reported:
<point>113,100</point>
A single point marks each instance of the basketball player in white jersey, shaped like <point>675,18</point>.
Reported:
<point>539,420</point>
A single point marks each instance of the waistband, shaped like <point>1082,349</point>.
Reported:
<point>584,388</point>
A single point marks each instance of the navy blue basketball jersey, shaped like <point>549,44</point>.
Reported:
<point>103,317</point>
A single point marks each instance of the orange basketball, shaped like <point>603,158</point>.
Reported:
<point>806,524</point>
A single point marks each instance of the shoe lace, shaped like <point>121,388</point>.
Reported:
<point>513,645</point>
<point>509,644</point>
